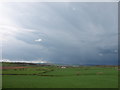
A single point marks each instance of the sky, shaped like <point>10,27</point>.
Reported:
<point>61,32</point>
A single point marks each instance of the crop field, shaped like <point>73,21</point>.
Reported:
<point>58,77</point>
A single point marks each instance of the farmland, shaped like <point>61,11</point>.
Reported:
<point>37,76</point>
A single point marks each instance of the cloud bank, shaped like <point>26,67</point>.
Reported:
<point>69,33</point>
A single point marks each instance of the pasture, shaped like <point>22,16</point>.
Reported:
<point>57,77</point>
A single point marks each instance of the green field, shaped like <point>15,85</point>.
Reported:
<point>56,77</point>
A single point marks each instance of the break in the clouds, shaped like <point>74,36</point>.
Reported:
<point>63,32</point>
<point>38,40</point>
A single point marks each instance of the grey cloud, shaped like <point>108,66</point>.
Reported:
<point>71,32</point>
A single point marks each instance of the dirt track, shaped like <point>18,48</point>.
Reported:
<point>13,67</point>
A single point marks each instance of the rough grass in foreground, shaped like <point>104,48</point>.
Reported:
<point>56,77</point>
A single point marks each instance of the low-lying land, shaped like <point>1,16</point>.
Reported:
<point>18,75</point>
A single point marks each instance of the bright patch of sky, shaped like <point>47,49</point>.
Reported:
<point>38,40</point>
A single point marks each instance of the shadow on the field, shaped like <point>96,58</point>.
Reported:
<point>45,75</point>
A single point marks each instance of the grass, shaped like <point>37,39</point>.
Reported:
<point>59,82</point>
<point>55,77</point>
